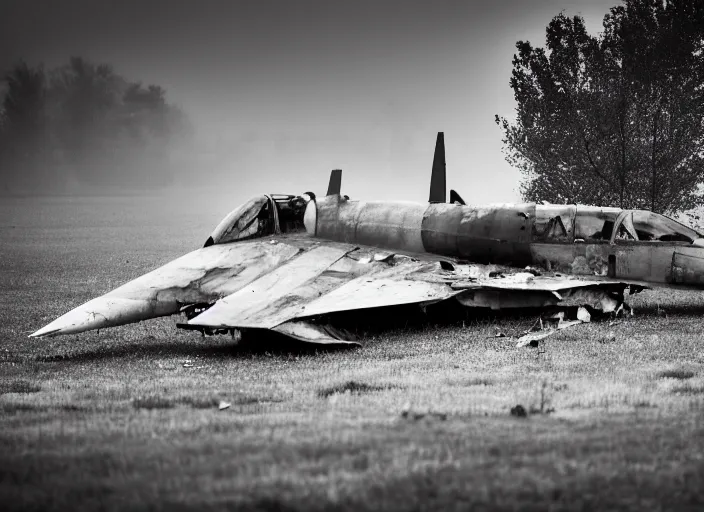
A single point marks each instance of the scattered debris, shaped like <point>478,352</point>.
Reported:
<point>583,315</point>
<point>223,405</point>
<point>610,337</point>
<point>553,323</point>
<point>383,256</point>
<point>407,413</point>
<point>679,374</point>
<point>519,411</point>
<point>529,338</point>
<point>353,387</point>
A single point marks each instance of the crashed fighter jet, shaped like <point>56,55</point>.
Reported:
<point>286,263</point>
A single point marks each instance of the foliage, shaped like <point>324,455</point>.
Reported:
<point>614,119</point>
<point>83,123</point>
<point>23,128</point>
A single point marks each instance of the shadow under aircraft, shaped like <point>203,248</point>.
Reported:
<point>289,263</point>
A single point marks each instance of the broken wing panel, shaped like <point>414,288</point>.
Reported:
<point>314,333</point>
<point>251,306</point>
<point>326,280</point>
<point>375,292</point>
<point>203,275</point>
<point>209,273</point>
<point>538,283</point>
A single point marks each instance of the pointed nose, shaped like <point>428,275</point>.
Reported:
<point>104,312</point>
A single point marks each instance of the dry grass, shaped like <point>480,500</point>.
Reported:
<point>418,418</point>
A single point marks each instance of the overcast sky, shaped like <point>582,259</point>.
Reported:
<point>282,91</point>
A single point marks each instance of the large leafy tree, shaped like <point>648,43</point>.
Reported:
<point>616,119</point>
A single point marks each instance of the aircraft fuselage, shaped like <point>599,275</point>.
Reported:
<point>573,239</point>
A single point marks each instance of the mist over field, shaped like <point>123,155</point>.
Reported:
<point>277,94</point>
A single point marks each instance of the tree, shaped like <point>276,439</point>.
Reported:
<point>153,128</point>
<point>615,119</point>
<point>83,123</point>
<point>85,97</point>
<point>23,131</point>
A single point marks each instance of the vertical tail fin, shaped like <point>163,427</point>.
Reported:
<point>335,182</point>
<point>455,197</point>
<point>438,186</point>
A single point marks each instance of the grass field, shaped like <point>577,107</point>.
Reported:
<point>418,419</point>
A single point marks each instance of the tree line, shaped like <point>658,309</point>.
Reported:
<point>83,124</point>
<point>615,119</point>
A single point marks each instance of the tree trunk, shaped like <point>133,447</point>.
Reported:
<point>652,161</point>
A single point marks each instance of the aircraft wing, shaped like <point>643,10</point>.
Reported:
<point>325,279</point>
<point>287,283</point>
<point>328,279</point>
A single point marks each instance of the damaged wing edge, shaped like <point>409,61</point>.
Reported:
<point>315,333</point>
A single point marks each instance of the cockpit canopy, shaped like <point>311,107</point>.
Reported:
<point>261,216</point>
<point>570,223</point>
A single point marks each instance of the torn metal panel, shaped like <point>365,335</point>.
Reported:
<point>282,300</point>
<point>315,333</point>
<point>577,259</point>
<point>545,283</point>
<point>606,299</point>
<point>529,338</point>
<point>251,306</point>
<point>501,299</point>
<point>533,336</point>
<point>383,289</point>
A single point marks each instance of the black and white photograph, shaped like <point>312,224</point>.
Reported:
<point>354,255</point>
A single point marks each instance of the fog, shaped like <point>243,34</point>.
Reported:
<point>279,93</point>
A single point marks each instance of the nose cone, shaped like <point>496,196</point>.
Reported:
<point>104,312</point>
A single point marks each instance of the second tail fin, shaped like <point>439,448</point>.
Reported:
<point>335,183</point>
<point>438,185</point>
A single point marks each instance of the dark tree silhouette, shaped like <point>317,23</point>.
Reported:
<point>23,132</point>
<point>84,123</point>
<point>614,119</point>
